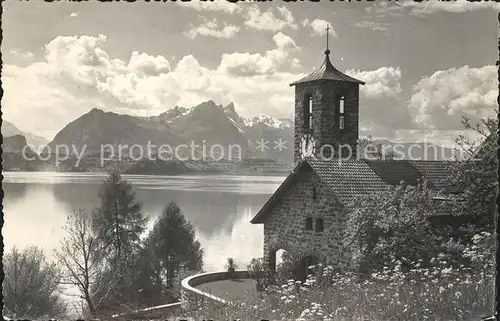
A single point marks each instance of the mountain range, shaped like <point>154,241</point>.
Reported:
<point>205,125</point>
<point>8,130</point>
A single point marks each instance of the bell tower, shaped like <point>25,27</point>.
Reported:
<point>326,113</point>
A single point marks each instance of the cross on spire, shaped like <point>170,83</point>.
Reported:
<point>327,29</point>
<point>327,51</point>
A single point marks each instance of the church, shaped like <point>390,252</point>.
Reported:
<point>307,214</point>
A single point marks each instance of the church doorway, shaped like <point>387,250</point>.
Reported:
<point>303,268</point>
<point>276,259</point>
<point>280,256</point>
<point>282,266</point>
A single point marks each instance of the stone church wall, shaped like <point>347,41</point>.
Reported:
<point>285,227</point>
<point>324,107</point>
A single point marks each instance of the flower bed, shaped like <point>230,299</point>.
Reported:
<point>440,292</point>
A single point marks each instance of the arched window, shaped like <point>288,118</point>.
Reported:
<point>319,225</point>
<point>314,193</point>
<point>341,113</point>
<point>309,223</point>
<point>308,111</point>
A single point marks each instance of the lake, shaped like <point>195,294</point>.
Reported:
<point>220,207</point>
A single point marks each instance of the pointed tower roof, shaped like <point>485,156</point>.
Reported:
<point>328,72</point>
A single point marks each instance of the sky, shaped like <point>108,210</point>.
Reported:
<point>425,64</point>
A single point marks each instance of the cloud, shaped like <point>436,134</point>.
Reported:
<point>212,29</point>
<point>273,19</point>
<point>378,16</point>
<point>256,19</point>
<point>384,9</point>
<point>380,83</point>
<point>34,91</point>
<point>218,5</point>
<point>144,65</point>
<point>77,74</point>
<point>381,110</point>
<point>318,27</point>
<point>26,55</point>
<point>432,6</point>
<point>372,25</point>
<point>246,64</point>
<point>439,101</point>
<point>285,13</point>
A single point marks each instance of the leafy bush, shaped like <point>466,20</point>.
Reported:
<point>395,225</point>
<point>32,285</point>
<point>259,272</point>
<point>231,267</point>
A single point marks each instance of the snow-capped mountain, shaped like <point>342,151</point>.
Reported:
<point>206,124</point>
<point>268,121</point>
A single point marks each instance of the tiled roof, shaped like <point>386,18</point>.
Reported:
<point>393,172</point>
<point>350,179</point>
<point>435,172</point>
<point>327,72</point>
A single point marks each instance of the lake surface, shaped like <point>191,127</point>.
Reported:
<point>220,207</point>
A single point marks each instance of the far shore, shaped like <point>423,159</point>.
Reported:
<point>255,173</point>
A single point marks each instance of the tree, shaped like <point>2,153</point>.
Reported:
<point>119,225</point>
<point>259,272</point>
<point>290,268</point>
<point>82,260</point>
<point>475,176</point>
<point>393,226</point>
<point>146,282</point>
<point>31,286</point>
<point>396,224</point>
<point>173,241</point>
<point>368,149</point>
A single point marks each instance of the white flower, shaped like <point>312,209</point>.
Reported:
<point>476,238</point>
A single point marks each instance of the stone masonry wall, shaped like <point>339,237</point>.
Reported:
<point>285,227</point>
<point>325,111</point>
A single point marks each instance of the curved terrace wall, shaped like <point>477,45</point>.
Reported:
<point>191,296</point>
<point>194,297</point>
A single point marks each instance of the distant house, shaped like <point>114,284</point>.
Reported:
<point>307,214</point>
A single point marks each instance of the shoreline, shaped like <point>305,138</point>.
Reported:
<point>278,173</point>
